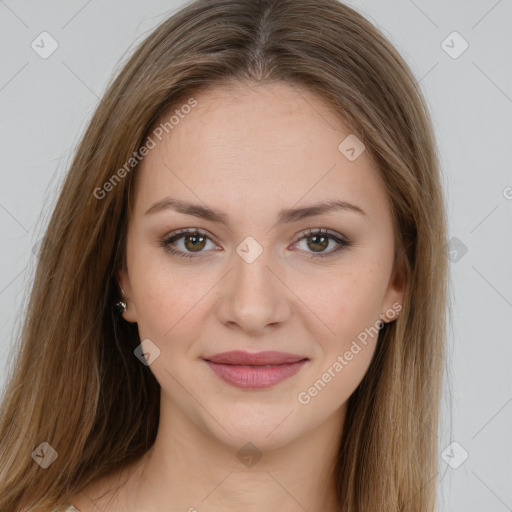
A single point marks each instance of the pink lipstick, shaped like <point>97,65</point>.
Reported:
<point>256,370</point>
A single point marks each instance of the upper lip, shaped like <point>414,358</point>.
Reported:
<point>239,357</point>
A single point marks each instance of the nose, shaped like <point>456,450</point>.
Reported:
<point>254,297</point>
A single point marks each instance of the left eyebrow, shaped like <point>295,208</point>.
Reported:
<point>284,216</point>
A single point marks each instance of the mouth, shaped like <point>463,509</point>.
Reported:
<point>255,370</point>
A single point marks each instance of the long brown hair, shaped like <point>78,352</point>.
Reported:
<point>76,384</point>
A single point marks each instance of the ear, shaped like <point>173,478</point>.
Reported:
<point>125,290</point>
<point>394,297</point>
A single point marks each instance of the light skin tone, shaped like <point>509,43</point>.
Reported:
<point>251,151</point>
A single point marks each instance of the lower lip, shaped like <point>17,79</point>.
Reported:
<point>255,377</point>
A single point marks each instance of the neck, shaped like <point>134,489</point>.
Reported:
<point>202,473</point>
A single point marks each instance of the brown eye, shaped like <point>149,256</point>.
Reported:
<point>192,241</point>
<point>320,243</point>
<point>318,240</point>
<point>195,242</point>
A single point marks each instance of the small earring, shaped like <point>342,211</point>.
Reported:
<point>120,306</point>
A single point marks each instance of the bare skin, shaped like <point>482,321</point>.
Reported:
<point>251,151</point>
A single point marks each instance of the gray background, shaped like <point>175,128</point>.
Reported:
<point>46,104</point>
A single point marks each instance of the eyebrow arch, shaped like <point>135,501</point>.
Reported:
<point>284,216</point>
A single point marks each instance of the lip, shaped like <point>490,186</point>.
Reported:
<point>240,357</point>
<point>255,370</point>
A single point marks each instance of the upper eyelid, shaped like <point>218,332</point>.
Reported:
<point>188,231</point>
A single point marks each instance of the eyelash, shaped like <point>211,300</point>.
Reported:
<point>167,241</point>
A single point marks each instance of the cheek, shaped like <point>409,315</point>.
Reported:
<point>168,300</point>
<point>350,309</point>
<point>342,303</point>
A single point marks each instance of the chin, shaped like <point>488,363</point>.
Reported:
<point>265,431</point>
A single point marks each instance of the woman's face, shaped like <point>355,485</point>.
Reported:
<point>254,279</point>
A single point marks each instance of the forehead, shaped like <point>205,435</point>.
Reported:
<point>259,142</point>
